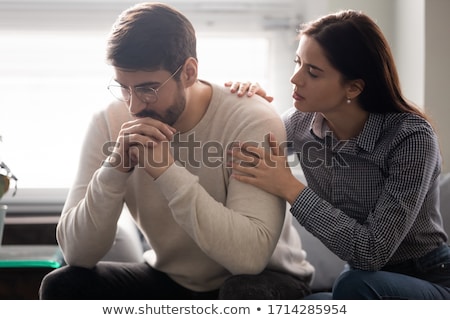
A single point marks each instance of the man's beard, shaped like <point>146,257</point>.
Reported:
<point>171,115</point>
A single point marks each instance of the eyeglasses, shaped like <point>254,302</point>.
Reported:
<point>146,94</point>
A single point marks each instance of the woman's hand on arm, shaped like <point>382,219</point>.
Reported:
<point>248,88</point>
<point>266,168</point>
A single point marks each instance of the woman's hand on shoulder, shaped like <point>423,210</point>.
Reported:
<point>248,88</point>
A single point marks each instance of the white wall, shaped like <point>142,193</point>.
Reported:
<point>437,71</point>
<point>410,48</point>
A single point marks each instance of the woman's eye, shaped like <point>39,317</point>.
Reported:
<point>311,73</point>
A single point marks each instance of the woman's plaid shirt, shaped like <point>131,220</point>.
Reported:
<point>372,200</point>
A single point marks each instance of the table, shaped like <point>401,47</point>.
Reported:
<point>22,268</point>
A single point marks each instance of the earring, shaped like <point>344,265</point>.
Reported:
<point>349,100</point>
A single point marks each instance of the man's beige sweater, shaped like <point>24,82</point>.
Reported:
<point>202,225</point>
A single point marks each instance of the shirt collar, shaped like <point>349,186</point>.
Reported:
<point>371,132</point>
<point>318,126</point>
<point>366,139</point>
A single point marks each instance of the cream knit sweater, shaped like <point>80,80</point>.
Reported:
<point>202,225</point>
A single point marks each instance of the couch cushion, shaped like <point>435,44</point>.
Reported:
<point>328,265</point>
<point>445,201</point>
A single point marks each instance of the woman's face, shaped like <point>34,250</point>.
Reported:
<point>318,86</point>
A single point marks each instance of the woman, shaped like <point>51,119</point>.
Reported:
<point>371,160</point>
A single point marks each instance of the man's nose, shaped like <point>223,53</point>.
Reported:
<point>135,105</point>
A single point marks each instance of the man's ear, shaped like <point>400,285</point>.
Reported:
<point>190,72</point>
<point>354,89</point>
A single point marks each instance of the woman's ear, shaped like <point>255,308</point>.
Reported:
<point>355,88</point>
<point>190,72</point>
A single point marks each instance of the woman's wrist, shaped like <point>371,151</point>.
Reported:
<point>293,189</point>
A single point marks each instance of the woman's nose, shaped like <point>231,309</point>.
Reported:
<point>297,79</point>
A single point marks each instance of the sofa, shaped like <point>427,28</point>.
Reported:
<point>129,244</point>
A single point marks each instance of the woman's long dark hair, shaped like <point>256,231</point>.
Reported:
<point>357,48</point>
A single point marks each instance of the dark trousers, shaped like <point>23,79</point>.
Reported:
<point>139,281</point>
<point>426,278</point>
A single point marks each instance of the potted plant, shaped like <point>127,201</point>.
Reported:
<point>5,177</point>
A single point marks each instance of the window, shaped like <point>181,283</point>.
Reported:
<point>234,57</point>
<point>52,82</point>
<point>53,74</point>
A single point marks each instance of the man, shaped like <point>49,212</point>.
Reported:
<point>210,236</point>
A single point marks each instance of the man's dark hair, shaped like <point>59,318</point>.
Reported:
<point>150,37</point>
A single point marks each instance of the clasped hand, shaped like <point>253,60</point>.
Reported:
<point>143,142</point>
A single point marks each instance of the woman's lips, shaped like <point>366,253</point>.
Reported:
<point>297,97</point>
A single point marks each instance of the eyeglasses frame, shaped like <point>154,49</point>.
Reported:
<point>133,89</point>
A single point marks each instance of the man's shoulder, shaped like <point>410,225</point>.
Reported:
<point>255,106</point>
<point>243,117</point>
